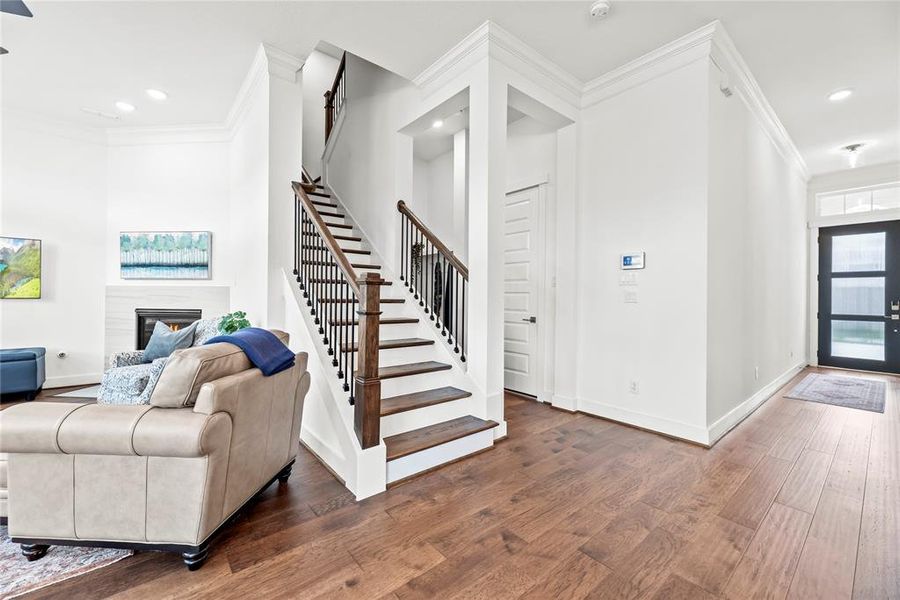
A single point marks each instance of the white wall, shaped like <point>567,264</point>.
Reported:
<point>362,167</point>
<point>531,152</point>
<point>54,188</point>
<point>248,203</point>
<point>643,165</point>
<point>170,187</point>
<point>756,258</point>
<point>318,76</point>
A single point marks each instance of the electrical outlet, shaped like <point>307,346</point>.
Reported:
<point>633,387</point>
<point>756,373</point>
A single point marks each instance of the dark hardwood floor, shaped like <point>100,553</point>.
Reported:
<point>801,501</point>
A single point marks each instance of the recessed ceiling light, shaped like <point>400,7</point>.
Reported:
<point>838,95</point>
<point>157,94</point>
<point>125,107</point>
<point>437,124</point>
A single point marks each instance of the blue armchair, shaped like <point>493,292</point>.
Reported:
<point>22,370</point>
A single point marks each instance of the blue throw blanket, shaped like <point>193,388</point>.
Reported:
<point>262,347</point>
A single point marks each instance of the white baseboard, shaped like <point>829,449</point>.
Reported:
<point>743,410</point>
<point>70,380</point>
<point>564,403</point>
<point>669,427</point>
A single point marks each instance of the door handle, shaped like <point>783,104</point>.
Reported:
<point>530,320</point>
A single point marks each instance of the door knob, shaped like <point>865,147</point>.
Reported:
<point>530,320</point>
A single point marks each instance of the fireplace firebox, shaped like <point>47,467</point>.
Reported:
<point>175,318</point>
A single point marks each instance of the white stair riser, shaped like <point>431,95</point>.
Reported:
<point>423,417</point>
<point>396,386</point>
<point>407,466</point>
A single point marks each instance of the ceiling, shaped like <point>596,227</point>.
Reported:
<point>90,54</point>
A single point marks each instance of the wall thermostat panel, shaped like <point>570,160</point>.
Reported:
<point>632,260</point>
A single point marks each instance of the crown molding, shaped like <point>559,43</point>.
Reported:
<point>677,53</point>
<point>281,64</point>
<point>724,54</point>
<point>522,57</point>
<point>489,39</point>
<point>268,60</point>
<point>474,44</point>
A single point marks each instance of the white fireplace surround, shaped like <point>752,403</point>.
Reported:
<point>122,300</point>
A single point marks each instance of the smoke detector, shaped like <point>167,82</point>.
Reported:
<point>600,9</point>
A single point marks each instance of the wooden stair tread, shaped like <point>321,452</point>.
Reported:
<point>405,402</point>
<point>323,213</point>
<point>339,225</point>
<point>392,344</point>
<point>404,444</point>
<point>330,263</point>
<point>348,238</point>
<point>381,321</point>
<point>346,301</point>
<point>320,203</point>
<point>419,368</point>
<point>320,194</point>
<point>346,250</point>
<point>317,280</point>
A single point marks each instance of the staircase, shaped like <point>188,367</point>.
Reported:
<point>387,355</point>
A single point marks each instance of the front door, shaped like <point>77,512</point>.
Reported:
<point>859,296</point>
<point>520,291</point>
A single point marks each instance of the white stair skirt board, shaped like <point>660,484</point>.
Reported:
<point>436,456</point>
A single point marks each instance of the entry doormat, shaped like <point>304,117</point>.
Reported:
<point>852,392</point>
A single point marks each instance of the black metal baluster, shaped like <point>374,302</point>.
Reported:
<point>296,232</point>
<point>352,354</point>
<point>442,283</point>
<point>307,274</point>
<point>455,313</point>
<point>462,332</point>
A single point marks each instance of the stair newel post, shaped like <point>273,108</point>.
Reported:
<point>329,113</point>
<point>367,408</point>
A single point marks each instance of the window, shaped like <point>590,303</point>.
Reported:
<point>885,197</point>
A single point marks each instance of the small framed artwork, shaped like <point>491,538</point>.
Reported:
<point>20,268</point>
<point>165,254</point>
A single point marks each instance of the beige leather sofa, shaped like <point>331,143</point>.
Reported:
<point>164,476</point>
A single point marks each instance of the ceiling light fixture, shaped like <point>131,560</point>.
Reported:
<point>156,94</point>
<point>125,107</point>
<point>437,124</point>
<point>852,152</point>
<point>838,95</point>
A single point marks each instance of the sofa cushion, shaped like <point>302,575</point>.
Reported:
<point>98,429</point>
<point>164,341</point>
<point>188,369</point>
<point>34,426</point>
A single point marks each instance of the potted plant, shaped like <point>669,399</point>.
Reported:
<point>233,321</point>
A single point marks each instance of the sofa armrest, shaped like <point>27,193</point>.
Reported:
<point>120,430</point>
<point>126,359</point>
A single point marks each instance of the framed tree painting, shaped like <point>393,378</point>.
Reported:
<point>165,254</point>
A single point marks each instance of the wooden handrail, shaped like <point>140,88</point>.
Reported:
<point>339,74</point>
<point>336,93</point>
<point>340,258</point>
<point>437,243</point>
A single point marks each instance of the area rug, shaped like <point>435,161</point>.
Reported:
<point>852,392</point>
<point>18,576</point>
<point>88,393</point>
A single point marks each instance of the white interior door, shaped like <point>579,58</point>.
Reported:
<point>520,287</point>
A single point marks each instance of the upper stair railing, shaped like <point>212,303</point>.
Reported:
<point>335,98</point>
<point>435,277</point>
<point>346,307</point>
